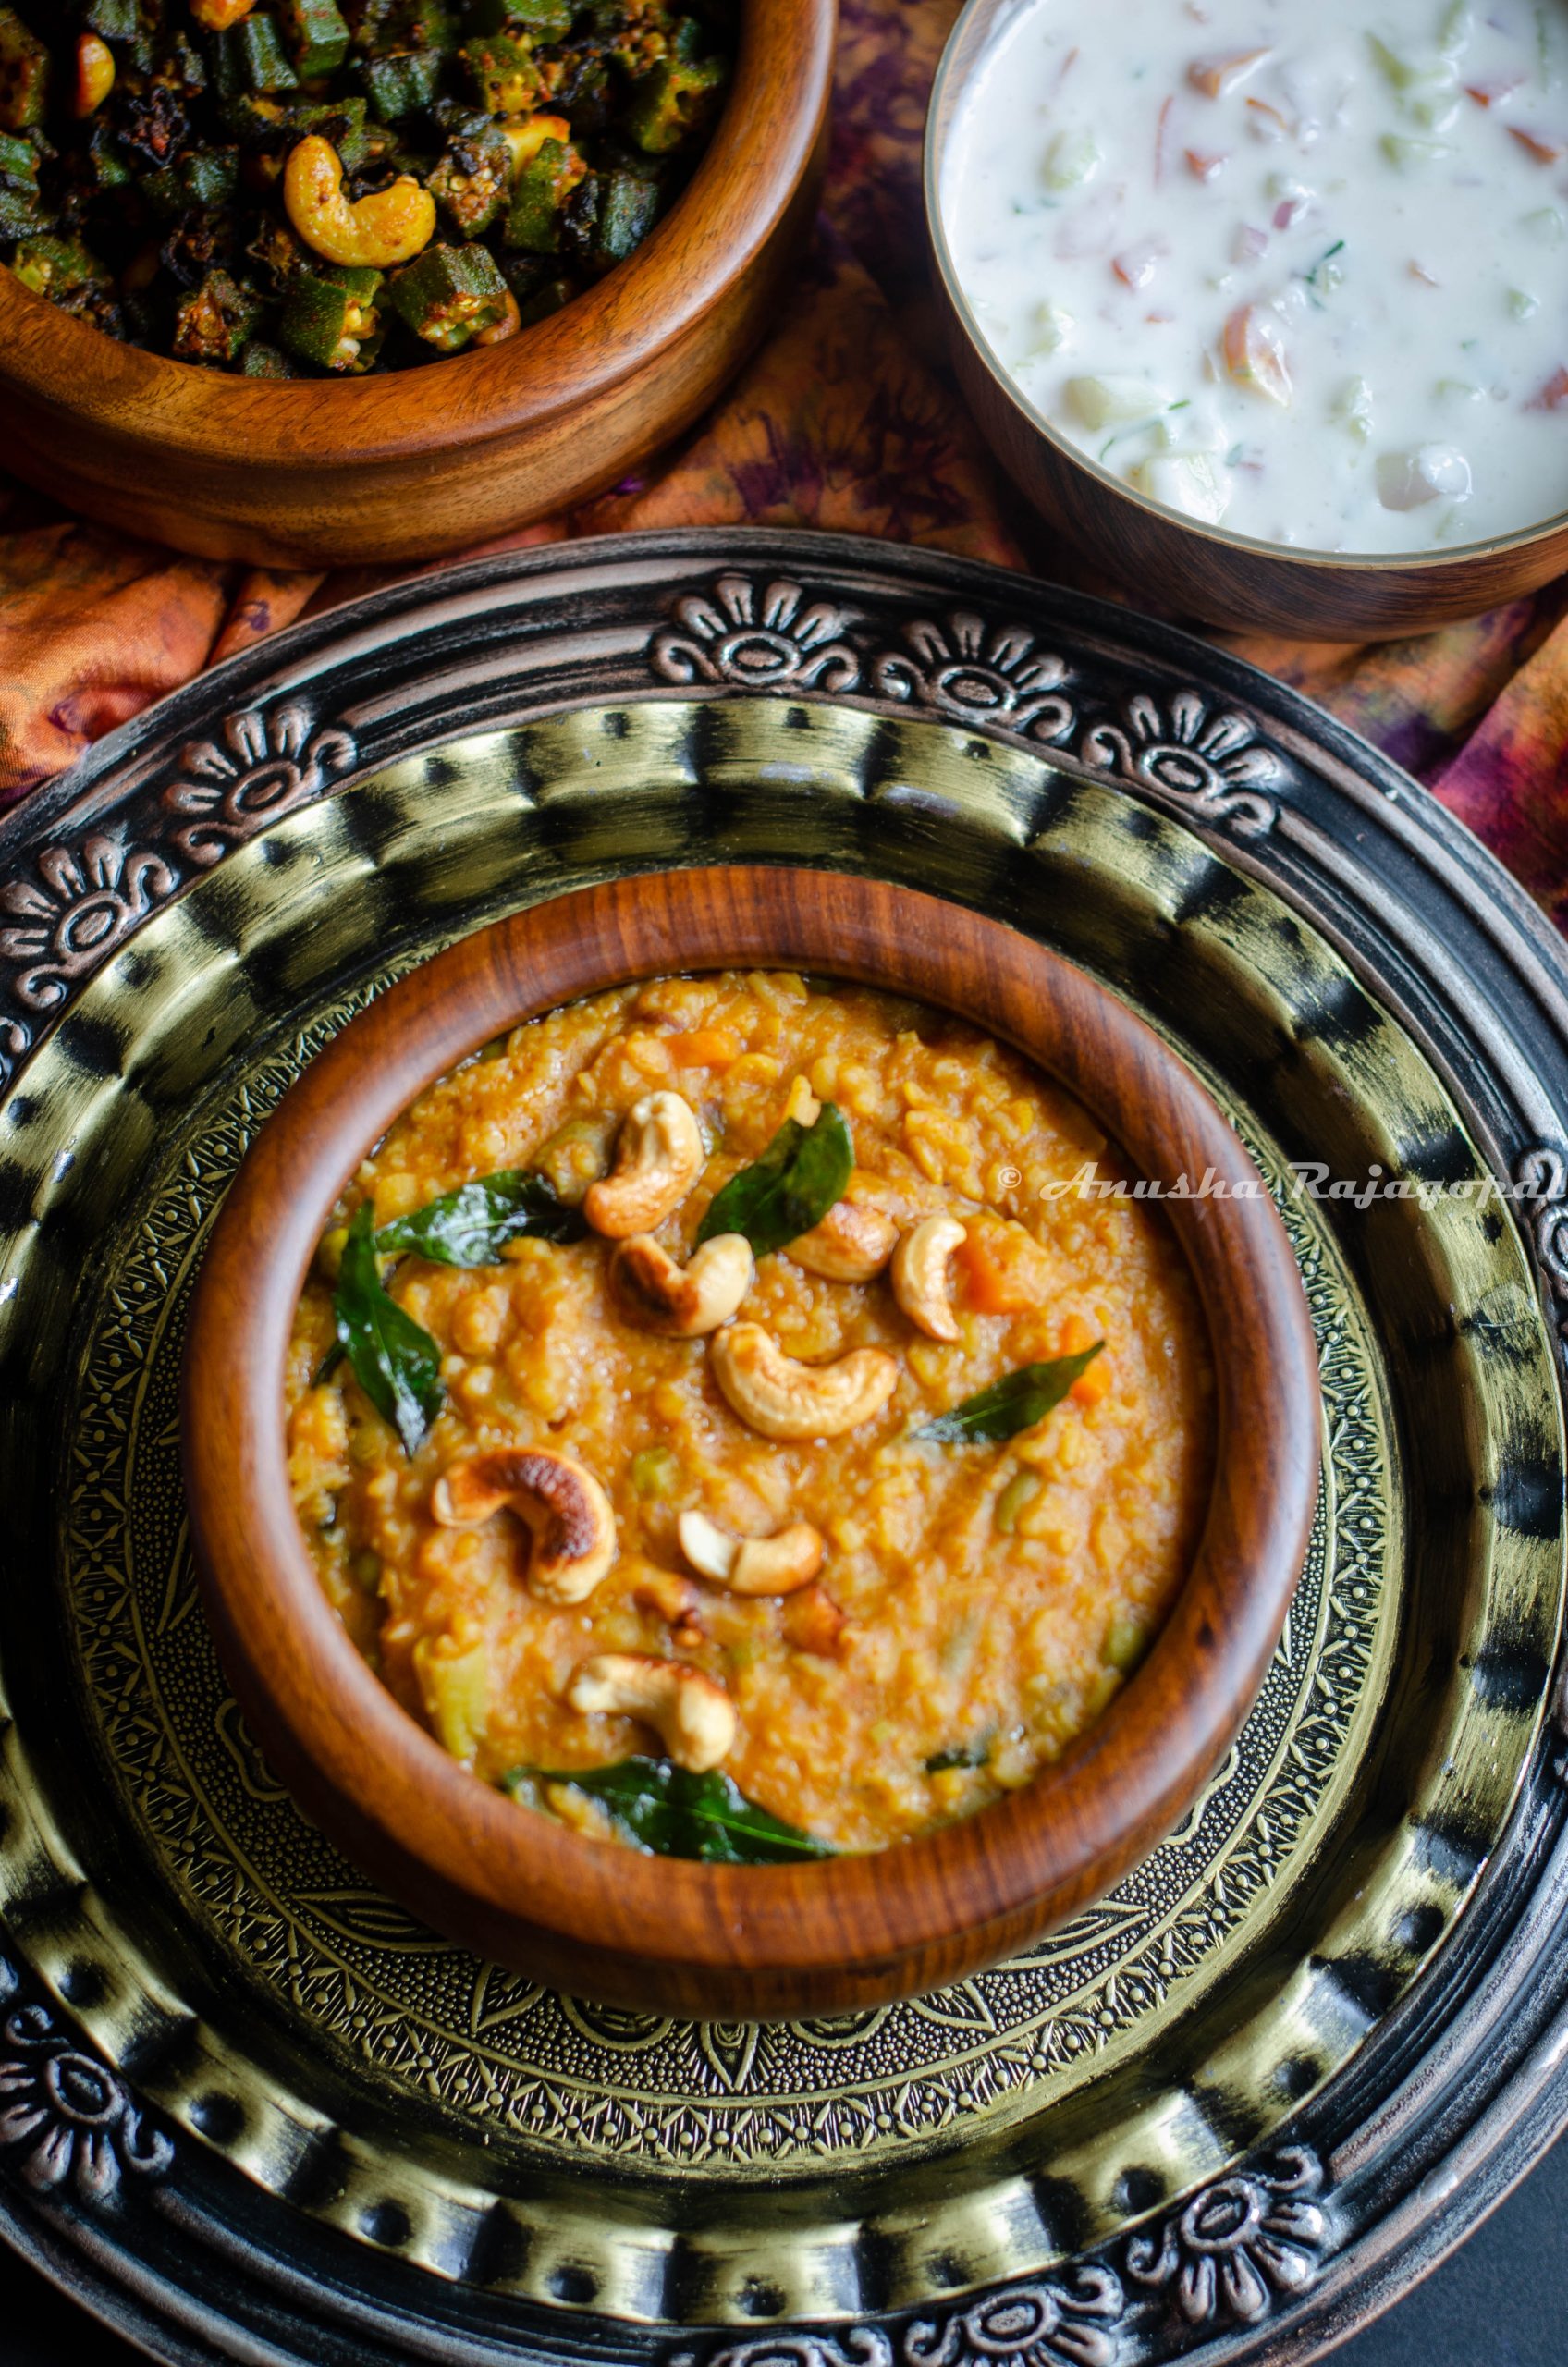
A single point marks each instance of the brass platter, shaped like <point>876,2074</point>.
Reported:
<point>251,2101</point>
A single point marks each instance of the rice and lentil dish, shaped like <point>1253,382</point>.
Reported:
<point>722,1547</point>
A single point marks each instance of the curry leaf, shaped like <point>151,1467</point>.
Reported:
<point>1013,1403</point>
<point>677,1814</point>
<point>396,1361</point>
<point>473,1224</point>
<point>800,1176</point>
<point>966,1754</point>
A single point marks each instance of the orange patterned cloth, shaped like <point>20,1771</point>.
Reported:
<point>846,420</point>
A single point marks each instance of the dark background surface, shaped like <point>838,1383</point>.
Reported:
<point>1496,2303</point>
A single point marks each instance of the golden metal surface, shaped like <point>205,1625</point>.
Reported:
<point>284,2010</point>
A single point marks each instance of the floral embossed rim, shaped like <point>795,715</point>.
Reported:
<point>1385,873</point>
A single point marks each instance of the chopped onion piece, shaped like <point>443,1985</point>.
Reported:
<point>1194,483</point>
<point>1407,479</point>
<point>1102,402</point>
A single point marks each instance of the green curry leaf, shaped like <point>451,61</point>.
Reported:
<point>395,1360</point>
<point>1015,1403</point>
<point>677,1814</point>
<point>965,1754</point>
<point>800,1176</point>
<point>473,1224</point>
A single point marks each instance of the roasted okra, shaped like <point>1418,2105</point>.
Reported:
<point>282,188</point>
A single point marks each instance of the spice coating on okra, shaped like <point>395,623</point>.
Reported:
<point>288,188</point>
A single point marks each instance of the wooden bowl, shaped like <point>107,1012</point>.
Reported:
<point>1187,568</point>
<point>324,472</point>
<point>715,1941</point>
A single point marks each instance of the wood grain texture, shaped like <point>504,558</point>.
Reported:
<point>705,1940</point>
<point>1187,568</point>
<point>420,462</point>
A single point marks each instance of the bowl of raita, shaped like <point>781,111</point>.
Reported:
<point>1263,306</point>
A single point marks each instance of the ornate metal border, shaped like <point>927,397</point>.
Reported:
<point>1460,2087</point>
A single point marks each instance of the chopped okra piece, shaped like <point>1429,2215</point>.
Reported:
<point>19,163</point>
<point>261,361</point>
<point>111,20</point>
<point>213,322</point>
<point>543,187</point>
<point>449,294</point>
<point>505,77</point>
<point>24,73</point>
<point>543,20</point>
<point>251,57</point>
<point>410,24</point>
<point>201,177</point>
<point>57,267</point>
<point>330,318</point>
<point>317,36</point>
<point>278,253</point>
<point>689,41</point>
<point>400,82</point>
<point>20,211</point>
<point>106,168</point>
<point>474,176</point>
<point>673,101</point>
<point>628,210</point>
<point>20,214</point>
<point>342,122</point>
<point>255,119</point>
<point>545,300</point>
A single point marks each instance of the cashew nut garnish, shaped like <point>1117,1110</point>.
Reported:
<point>784,1399</point>
<point>388,226</point>
<point>682,1302</point>
<point>694,1717</point>
<point>854,1241</point>
<point>564,1507</point>
<point>658,1158</point>
<point>813,1622</point>
<point>751,1564</point>
<point>920,1274</point>
<point>675,1600</point>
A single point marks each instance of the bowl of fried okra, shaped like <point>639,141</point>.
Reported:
<point>316,281</point>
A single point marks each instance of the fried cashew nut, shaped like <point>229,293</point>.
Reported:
<point>854,1241</point>
<point>813,1622</point>
<point>390,226</point>
<point>784,1399</point>
<point>658,1157</point>
<point>674,1600</point>
<point>694,1717</point>
<point>684,1302</point>
<point>920,1275</point>
<point>751,1564</point>
<point>566,1510</point>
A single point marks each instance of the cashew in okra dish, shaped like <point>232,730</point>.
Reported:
<point>285,187</point>
<point>714,1549</point>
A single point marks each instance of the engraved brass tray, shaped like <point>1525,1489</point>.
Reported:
<point>247,2107</point>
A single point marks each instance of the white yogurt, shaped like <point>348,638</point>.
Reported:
<point>1300,266</point>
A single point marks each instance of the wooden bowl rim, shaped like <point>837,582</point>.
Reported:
<point>1288,556</point>
<point>1125,1782</point>
<point>648,305</point>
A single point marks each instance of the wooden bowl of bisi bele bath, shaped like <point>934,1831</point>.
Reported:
<point>312,286</point>
<point>1263,306</point>
<point>703,1486</point>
